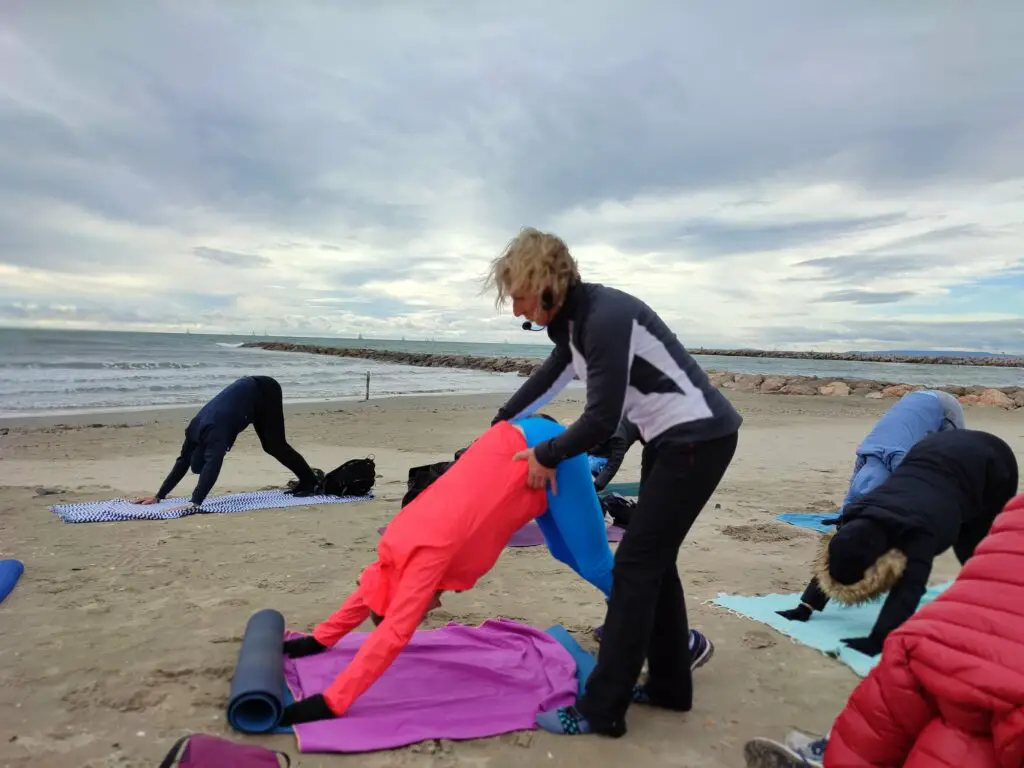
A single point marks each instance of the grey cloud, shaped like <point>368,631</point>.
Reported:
<point>855,296</point>
<point>230,258</point>
<point>474,97</point>
<point>991,335</point>
<point>857,268</point>
<point>939,235</point>
<point>709,239</point>
<point>399,121</point>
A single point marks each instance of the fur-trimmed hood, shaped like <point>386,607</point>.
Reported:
<point>878,579</point>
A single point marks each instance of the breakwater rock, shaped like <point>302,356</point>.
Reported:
<point>1009,398</point>
<point>866,357</point>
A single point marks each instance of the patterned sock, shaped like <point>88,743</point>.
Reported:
<point>564,720</point>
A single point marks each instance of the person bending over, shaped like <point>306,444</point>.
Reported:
<point>443,540</point>
<point>614,450</point>
<point>634,367</point>
<point>945,493</point>
<point>914,416</point>
<point>255,400</point>
<point>945,693</point>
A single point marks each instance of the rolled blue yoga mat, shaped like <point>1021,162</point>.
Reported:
<point>258,693</point>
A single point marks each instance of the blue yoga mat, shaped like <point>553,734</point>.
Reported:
<point>825,629</point>
<point>258,692</point>
<point>10,572</point>
<point>812,520</point>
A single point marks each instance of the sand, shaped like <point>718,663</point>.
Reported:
<point>121,637</point>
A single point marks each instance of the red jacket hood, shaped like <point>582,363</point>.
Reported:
<point>949,688</point>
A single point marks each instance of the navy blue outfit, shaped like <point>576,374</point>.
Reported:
<point>613,451</point>
<point>255,400</point>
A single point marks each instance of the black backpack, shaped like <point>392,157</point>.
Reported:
<point>618,508</point>
<point>353,478</point>
<point>421,477</point>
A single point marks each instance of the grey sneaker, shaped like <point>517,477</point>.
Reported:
<point>765,753</point>
<point>807,744</point>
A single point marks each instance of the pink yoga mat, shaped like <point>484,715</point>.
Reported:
<point>455,682</point>
<point>530,535</point>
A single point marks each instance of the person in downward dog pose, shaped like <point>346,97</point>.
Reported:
<point>613,451</point>
<point>944,494</point>
<point>634,367</point>
<point>445,539</point>
<point>945,693</point>
<point>255,400</point>
<point>913,417</point>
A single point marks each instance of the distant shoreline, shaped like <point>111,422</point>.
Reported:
<point>1009,398</point>
<point>375,353</point>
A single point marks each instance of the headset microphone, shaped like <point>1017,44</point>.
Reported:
<point>528,326</point>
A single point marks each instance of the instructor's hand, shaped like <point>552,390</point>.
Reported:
<point>537,474</point>
<point>146,500</point>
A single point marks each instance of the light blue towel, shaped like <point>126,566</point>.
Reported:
<point>812,520</point>
<point>825,629</point>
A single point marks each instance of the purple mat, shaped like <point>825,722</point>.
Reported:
<point>456,682</point>
<point>530,535</point>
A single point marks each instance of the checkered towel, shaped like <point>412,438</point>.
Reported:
<point>123,509</point>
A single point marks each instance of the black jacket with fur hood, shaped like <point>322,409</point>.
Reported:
<point>945,493</point>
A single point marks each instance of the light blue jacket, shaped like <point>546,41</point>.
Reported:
<point>913,416</point>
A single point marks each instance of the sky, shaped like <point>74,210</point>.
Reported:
<point>785,175</point>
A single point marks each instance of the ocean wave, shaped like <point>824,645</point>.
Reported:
<point>93,365</point>
<point>229,345</point>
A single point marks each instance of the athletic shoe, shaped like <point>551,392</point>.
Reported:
<point>765,753</point>
<point>701,650</point>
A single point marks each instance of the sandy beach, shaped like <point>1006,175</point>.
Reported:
<point>121,637</point>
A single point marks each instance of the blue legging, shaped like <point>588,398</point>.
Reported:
<point>573,527</point>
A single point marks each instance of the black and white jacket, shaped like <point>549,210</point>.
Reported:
<point>632,365</point>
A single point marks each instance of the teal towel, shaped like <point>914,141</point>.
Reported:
<point>812,520</point>
<point>623,489</point>
<point>825,629</point>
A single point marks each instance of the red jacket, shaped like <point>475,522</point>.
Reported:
<point>949,688</point>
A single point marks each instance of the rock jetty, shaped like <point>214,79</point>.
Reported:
<point>866,357</point>
<point>1008,398</point>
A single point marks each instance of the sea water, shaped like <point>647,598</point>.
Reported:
<point>53,372</point>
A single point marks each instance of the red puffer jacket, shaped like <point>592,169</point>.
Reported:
<point>949,688</point>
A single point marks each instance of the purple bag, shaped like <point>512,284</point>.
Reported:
<point>203,751</point>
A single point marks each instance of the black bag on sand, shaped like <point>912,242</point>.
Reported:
<point>618,508</point>
<point>421,477</point>
<point>353,478</point>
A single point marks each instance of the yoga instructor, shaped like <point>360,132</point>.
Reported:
<point>634,367</point>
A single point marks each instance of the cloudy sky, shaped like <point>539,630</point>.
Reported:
<point>785,174</point>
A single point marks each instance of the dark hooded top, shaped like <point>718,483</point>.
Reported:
<point>945,493</point>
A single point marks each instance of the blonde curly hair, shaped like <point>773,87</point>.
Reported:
<point>532,262</point>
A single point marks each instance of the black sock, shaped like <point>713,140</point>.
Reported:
<point>307,710</point>
<point>306,645</point>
